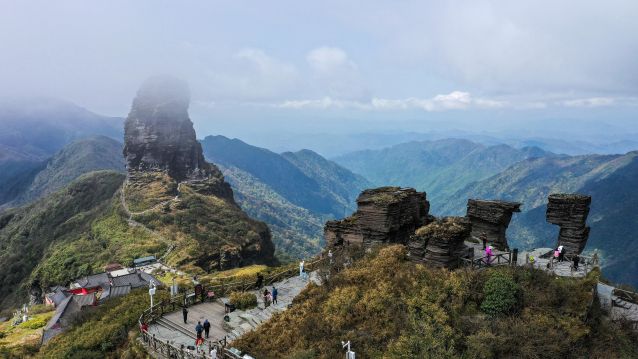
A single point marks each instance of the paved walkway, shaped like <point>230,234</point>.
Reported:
<point>171,327</point>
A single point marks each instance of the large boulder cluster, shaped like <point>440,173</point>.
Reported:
<point>492,218</point>
<point>384,215</point>
<point>570,211</point>
<point>441,243</point>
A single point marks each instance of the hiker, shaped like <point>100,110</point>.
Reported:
<point>199,342</point>
<point>213,353</point>
<point>330,256</point>
<point>488,254</point>
<point>556,253</point>
<point>576,259</point>
<point>274,295</point>
<point>266,294</point>
<point>260,280</point>
<point>206,327</point>
<point>483,238</point>
<point>185,314</point>
<point>301,268</point>
<point>199,329</point>
<point>144,327</point>
<point>561,253</point>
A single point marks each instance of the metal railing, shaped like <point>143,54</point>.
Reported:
<point>170,350</point>
<point>482,262</point>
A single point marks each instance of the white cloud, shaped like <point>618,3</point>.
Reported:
<point>590,102</point>
<point>335,74</point>
<point>330,60</point>
<point>456,100</point>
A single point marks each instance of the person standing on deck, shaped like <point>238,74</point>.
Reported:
<point>483,238</point>
<point>199,329</point>
<point>274,295</point>
<point>185,314</point>
<point>206,327</point>
<point>488,254</point>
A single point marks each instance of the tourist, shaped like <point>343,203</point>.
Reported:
<point>260,281</point>
<point>213,353</point>
<point>556,254</point>
<point>206,327</point>
<point>185,314</point>
<point>561,253</point>
<point>274,295</point>
<point>199,342</point>
<point>483,237</point>
<point>144,327</point>
<point>488,255</point>
<point>301,268</point>
<point>266,298</point>
<point>330,256</point>
<point>199,329</point>
<point>576,259</point>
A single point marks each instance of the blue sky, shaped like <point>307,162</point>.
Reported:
<point>263,67</point>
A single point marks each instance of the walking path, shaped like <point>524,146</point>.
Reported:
<point>171,326</point>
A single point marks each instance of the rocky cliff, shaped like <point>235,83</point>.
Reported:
<point>491,218</point>
<point>384,215</point>
<point>570,211</point>
<point>441,242</point>
<point>159,136</point>
<point>171,187</point>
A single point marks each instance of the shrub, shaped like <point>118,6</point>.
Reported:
<point>34,323</point>
<point>501,294</point>
<point>243,300</point>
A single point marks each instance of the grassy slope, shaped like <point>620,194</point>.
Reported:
<point>391,308</point>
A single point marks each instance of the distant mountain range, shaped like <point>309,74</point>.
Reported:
<point>439,167</point>
<point>295,193</point>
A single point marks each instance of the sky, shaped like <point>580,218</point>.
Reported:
<point>262,68</point>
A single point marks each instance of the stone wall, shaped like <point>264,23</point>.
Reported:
<point>570,211</point>
<point>384,215</point>
<point>492,218</point>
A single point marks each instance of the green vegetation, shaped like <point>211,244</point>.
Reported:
<point>149,189</point>
<point>243,300</point>
<point>25,337</point>
<point>106,331</point>
<point>391,308</point>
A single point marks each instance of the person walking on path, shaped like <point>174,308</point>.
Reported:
<point>561,253</point>
<point>274,295</point>
<point>301,268</point>
<point>213,353</point>
<point>206,327</point>
<point>199,329</point>
<point>260,281</point>
<point>185,314</point>
<point>489,254</point>
<point>483,238</point>
<point>576,259</point>
<point>266,301</point>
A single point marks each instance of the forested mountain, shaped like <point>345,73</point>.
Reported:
<point>610,180</point>
<point>438,167</point>
<point>293,192</point>
<point>77,158</point>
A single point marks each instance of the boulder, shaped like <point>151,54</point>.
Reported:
<point>570,211</point>
<point>491,217</point>
<point>384,215</point>
<point>441,243</point>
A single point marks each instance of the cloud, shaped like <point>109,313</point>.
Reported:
<point>590,102</point>
<point>456,100</point>
<point>335,74</point>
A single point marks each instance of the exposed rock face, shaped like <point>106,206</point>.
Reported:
<point>159,136</point>
<point>441,243</point>
<point>569,211</point>
<point>384,215</point>
<point>491,218</point>
<point>162,153</point>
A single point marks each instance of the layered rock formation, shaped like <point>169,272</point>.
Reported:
<point>569,211</point>
<point>491,218</point>
<point>167,170</point>
<point>441,243</point>
<point>384,215</point>
<point>159,136</point>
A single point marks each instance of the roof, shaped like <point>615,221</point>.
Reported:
<point>135,280</point>
<point>121,272</point>
<point>58,296</point>
<point>56,288</point>
<point>120,291</point>
<point>92,281</point>
<point>148,277</point>
<point>84,300</point>
<point>59,310</point>
<point>144,259</point>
